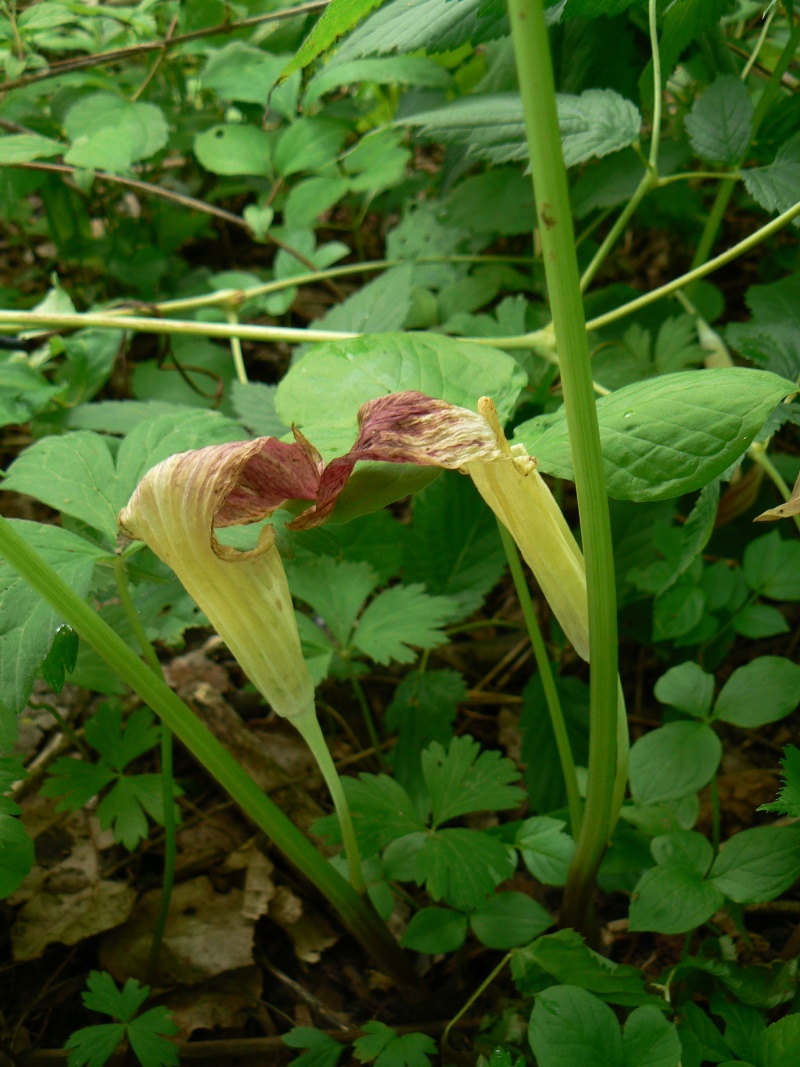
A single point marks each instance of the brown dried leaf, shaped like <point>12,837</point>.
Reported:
<point>783,511</point>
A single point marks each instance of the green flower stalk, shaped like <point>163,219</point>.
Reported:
<point>175,510</point>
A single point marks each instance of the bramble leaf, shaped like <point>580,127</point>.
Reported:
<point>462,779</point>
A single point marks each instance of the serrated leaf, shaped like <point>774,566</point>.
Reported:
<point>462,867</point>
<point>720,124</point>
<point>382,811</point>
<point>61,659</point>
<point>669,435</point>
<point>121,811</point>
<point>453,546</point>
<point>335,590</point>
<point>76,781</point>
<point>545,849</point>
<point>401,617</point>
<point>103,995</point>
<point>27,624</point>
<point>777,187</point>
<point>416,70</point>
<point>463,779</point>
<point>321,1050</point>
<point>120,744</point>
<point>16,853</point>
<point>93,1046</point>
<point>569,960</point>
<point>147,1037</point>
<point>337,19</point>
<point>382,1044</point>
<point>788,800</point>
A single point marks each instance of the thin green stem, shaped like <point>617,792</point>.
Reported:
<point>759,44</point>
<point>715,815</point>
<point>236,348</point>
<point>309,729</point>
<point>355,911</point>
<point>534,67</point>
<point>649,181</point>
<point>167,776</point>
<point>366,714</point>
<point>658,95</point>
<point>713,223</point>
<point>548,681</point>
<point>698,175</point>
<point>481,989</point>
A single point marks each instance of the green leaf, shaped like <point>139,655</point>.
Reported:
<point>308,144</point>
<point>422,710</point>
<point>435,930</point>
<point>507,920</point>
<point>454,547</point>
<point>570,1026</point>
<point>594,124</point>
<point>337,19</point>
<point>772,567</point>
<point>119,744</point>
<point>146,1035</point>
<point>463,779</point>
<point>16,854</point>
<point>760,620</point>
<point>684,23</point>
<point>666,436</point>
<point>777,1046</point>
<point>254,403</point>
<point>23,147</point>
<point>777,187</point>
<point>24,391</point>
<point>61,659</point>
<point>500,201</point>
<point>764,690</point>
<point>321,1050</point>
<point>382,811</point>
<point>27,624</point>
<point>771,339</point>
<point>401,617</point>
<point>674,760</point>
<point>335,590</point>
<point>104,996</point>
<point>110,132</point>
<point>788,800</point>
<point>76,782</point>
<point>720,124</point>
<point>121,811</point>
<point>234,149</point>
<point>758,864</point>
<point>93,1046</point>
<point>672,900</point>
<point>380,305</point>
<point>324,390</point>
<point>462,867</point>
<point>381,1044</point>
<point>243,73</point>
<point>683,848</point>
<point>546,849</point>
<point>688,688</point>
<point>543,776</point>
<point>649,1040</point>
<point>392,70</point>
<point>566,957</point>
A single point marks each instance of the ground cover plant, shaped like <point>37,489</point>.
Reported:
<point>399,570</point>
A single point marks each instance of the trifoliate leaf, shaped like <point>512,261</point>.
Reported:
<point>382,1044</point>
<point>461,780</point>
<point>462,867</point>
<point>400,617</point>
<point>118,743</point>
<point>788,800</point>
<point>381,809</point>
<point>104,996</point>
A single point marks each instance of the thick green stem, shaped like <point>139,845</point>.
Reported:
<point>356,911</point>
<point>548,681</point>
<point>534,67</point>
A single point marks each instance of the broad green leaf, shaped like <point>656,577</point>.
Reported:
<point>777,187</point>
<point>110,132</point>
<point>23,147</point>
<point>672,900</point>
<point>391,70</point>
<point>591,9</point>
<point>594,124</point>
<point>543,777</point>
<point>683,848</point>
<point>254,403</point>
<point>234,149</point>
<point>760,620</point>
<point>649,1040</point>
<point>147,1037</point>
<point>377,307</point>
<point>24,391</point>
<point>788,800</point>
<point>500,201</point>
<point>321,1050</point>
<point>382,811</point>
<point>27,624</point>
<point>337,19</point>
<point>310,198</point>
<point>666,436</point>
<point>92,1046</point>
<point>16,854</point>
<point>720,123</point>
<point>758,864</point>
<point>434,930</point>
<point>324,390</point>
<point>566,957</point>
<point>61,658</point>
<point>335,590</point>
<point>422,710</point>
<point>311,143</point>
<point>507,920</point>
<point>570,1026</point>
<point>674,760</point>
<point>778,1045</point>
<point>772,337</point>
<point>433,25</point>
<point>399,620</point>
<point>545,849</point>
<point>463,779</point>
<point>240,72</point>
<point>462,867</point>
<point>453,546</point>
<point>771,566</point>
<point>764,690</point>
<point>688,688</point>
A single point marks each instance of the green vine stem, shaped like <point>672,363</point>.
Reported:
<point>356,911</point>
<point>534,67</point>
<point>725,191</point>
<point>167,775</point>
<point>548,681</point>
